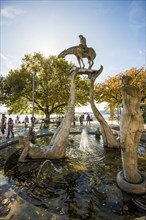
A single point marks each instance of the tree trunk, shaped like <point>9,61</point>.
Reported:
<point>48,117</point>
<point>112,111</point>
<point>108,137</point>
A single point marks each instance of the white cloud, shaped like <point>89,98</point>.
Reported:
<point>11,12</point>
<point>8,63</point>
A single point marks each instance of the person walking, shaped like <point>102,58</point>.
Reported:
<point>10,127</point>
<point>17,119</point>
<point>3,124</point>
<point>88,119</point>
<point>26,121</point>
<point>81,119</point>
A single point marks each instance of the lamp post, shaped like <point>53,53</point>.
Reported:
<point>33,74</point>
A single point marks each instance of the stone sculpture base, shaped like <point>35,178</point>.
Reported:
<point>138,188</point>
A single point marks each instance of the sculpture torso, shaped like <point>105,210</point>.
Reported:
<point>131,110</point>
<point>36,151</point>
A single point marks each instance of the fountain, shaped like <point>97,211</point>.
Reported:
<point>59,182</point>
<point>84,142</point>
<point>81,184</point>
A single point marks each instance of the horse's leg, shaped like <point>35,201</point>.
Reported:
<point>83,63</point>
<point>90,63</point>
<point>78,58</point>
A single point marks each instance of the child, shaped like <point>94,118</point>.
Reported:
<point>10,127</point>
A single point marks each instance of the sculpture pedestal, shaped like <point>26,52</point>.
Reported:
<point>138,188</point>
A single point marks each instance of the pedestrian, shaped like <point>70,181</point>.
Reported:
<point>88,119</point>
<point>26,121</point>
<point>10,127</point>
<point>33,119</point>
<point>17,119</point>
<point>3,124</point>
<point>81,119</point>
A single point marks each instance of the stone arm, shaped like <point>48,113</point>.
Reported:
<point>24,154</point>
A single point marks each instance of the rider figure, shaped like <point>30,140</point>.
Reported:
<point>83,44</point>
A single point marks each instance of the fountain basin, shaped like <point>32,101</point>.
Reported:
<point>82,187</point>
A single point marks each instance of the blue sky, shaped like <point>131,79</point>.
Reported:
<point>115,29</point>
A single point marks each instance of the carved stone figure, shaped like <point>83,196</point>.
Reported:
<point>57,147</point>
<point>83,44</point>
<point>131,127</point>
<point>80,52</point>
<point>107,135</point>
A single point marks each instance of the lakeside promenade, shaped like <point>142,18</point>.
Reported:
<point>21,208</point>
<point>20,130</point>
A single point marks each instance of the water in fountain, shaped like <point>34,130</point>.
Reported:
<point>80,186</point>
<point>43,174</point>
<point>84,142</point>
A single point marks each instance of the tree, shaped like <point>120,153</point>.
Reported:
<point>51,90</point>
<point>2,92</point>
<point>138,80</point>
<point>109,90</point>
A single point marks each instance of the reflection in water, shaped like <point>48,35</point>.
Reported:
<point>81,186</point>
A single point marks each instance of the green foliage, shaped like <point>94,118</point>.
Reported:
<point>109,90</point>
<point>2,89</point>
<point>51,86</point>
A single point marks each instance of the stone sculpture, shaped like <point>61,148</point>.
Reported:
<point>108,138</point>
<point>57,147</point>
<point>131,127</point>
<point>81,51</point>
<point>83,44</point>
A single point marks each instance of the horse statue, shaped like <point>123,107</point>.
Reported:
<point>80,53</point>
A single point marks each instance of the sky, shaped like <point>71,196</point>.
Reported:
<point>115,29</point>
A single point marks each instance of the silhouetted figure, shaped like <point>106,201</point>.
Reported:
<point>83,44</point>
